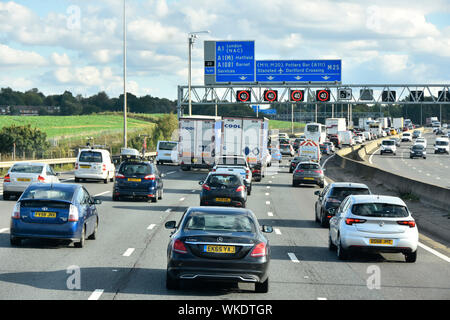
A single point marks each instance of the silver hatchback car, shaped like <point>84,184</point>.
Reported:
<point>373,223</point>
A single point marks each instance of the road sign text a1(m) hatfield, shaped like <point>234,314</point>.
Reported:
<point>235,61</point>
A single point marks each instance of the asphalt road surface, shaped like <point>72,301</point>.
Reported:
<point>128,260</point>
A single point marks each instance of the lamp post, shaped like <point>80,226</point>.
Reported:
<point>191,39</point>
<point>124,75</point>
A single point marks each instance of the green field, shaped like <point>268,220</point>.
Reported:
<point>285,125</point>
<point>75,126</point>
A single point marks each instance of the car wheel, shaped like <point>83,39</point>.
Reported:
<point>411,257</point>
<point>171,283</point>
<point>161,193</point>
<point>342,253</point>
<point>115,198</point>
<point>155,199</point>
<point>323,220</point>
<point>80,244</point>
<point>6,196</point>
<point>249,191</point>
<point>262,287</point>
<point>77,180</point>
<point>15,241</point>
<point>294,184</point>
<point>424,157</point>
<point>331,245</point>
<point>105,181</point>
<point>93,236</point>
<point>321,185</point>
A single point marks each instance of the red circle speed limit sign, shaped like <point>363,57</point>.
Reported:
<point>297,95</point>
<point>243,95</point>
<point>323,95</point>
<point>270,95</point>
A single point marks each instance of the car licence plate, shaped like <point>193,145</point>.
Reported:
<point>223,199</point>
<point>45,214</point>
<point>308,178</point>
<point>24,179</point>
<point>219,249</point>
<point>85,167</point>
<point>134,180</point>
<point>381,241</point>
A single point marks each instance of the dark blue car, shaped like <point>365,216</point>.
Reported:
<point>55,211</point>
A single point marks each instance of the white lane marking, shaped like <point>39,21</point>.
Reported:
<point>438,254</point>
<point>4,230</point>
<point>267,194</point>
<point>96,294</point>
<point>128,252</point>
<point>270,214</point>
<point>181,199</point>
<point>325,162</point>
<point>293,257</point>
<point>170,172</point>
<point>168,210</point>
<point>370,158</point>
<point>277,231</point>
<point>193,191</point>
<point>100,194</point>
<point>270,181</point>
<point>268,187</point>
<point>321,298</point>
<point>268,202</point>
<point>150,227</point>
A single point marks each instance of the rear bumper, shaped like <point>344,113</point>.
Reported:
<point>304,180</point>
<point>67,231</point>
<point>16,189</point>
<point>92,176</point>
<point>355,241</point>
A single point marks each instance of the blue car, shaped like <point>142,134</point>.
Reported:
<point>55,211</point>
<point>276,154</point>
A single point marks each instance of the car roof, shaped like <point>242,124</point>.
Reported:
<point>56,186</point>
<point>30,163</point>
<point>97,150</point>
<point>220,210</point>
<point>377,199</point>
<point>348,185</point>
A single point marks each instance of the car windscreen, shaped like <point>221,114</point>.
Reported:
<point>219,222</point>
<point>418,147</point>
<point>48,194</point>
<point>228,180</point>
<point>19,168</point>
<point>312,128</point>
<point>341,193</point>
<point>388,143</point>
<point>131,168</point>
<point>308,166</point>
<point>232,161</point>
<point>167,146</point>
<point>90,156</point>
<point>442,143</point>
<point>379,210</point>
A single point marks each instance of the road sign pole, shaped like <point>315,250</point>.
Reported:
<point>292,118</point>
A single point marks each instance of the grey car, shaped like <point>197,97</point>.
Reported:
<point>308,173</point>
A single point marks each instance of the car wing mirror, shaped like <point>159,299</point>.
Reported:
<point>200,182</point>
<point>97,201</point>
<point>267,229</point>
<point>162,175</point>
<point>170,224</point>
<point>317,193</point>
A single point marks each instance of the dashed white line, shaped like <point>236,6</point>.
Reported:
<point>96,294</point>
<point>128,252</point>
<point>277,231</point>
<point>270,214</point>
<point>100,194</point>
<point>181,199</point>
<point>267,194</point>
<point>168,210</point>
<point>321,298</point>
<point>150,227</point>
<point>170,172</point>
<point>293,257</point>
<point>268,202</point>
<point>268,187</point>
<point>4,230</point>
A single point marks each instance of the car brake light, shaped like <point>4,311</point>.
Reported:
<point>76,165</point>
<point>240,188</point>
<point>16,211</point>
<point>260,250</point>
<point>409,223</point>
<point>351,221</point>
<point>120,176</point>
<point>299,170</point>
<point>7,178</point>
<point>41,179</point>
<point>206,187</point>
<point>150,177</point>
<point>104,167</point>
<point>318,171</point>
<point>73,213</point>
<point>179,247</point>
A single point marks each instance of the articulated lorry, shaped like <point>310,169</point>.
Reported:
<point>334,125</point>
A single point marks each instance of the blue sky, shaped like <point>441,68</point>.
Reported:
<point>46,45</point>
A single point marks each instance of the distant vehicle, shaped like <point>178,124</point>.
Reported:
<point>138,179</point>
<point>388,146</point>
<point>332,196</point>
<point>416,134</point>
<point>357,139</point>
<point>22,174</point>
<point>397,141</point>
<point>309,149</point>
<point>373,223</point>
<point>287,150</point>
<point>367,135</point>
<point>129,153</point>
<point>295,161</point>
<point>361,134</point>
<point>418,151</point>
<point>297,142</point>
<point>407,136</point>
<point>283,135</point>
<point>94,164</point>
<point>223,189</point>
<point>167,151</point>
<point>325,149</point>
<point>315,132</point>
<point>336,141</point>
<point>308,173</point>
<point>346,138</point>
<point>332,147</point>
<point>334,125</point>
<point>55,211</point>
<point>238,161</point>
<point>441,145</point>
<point>222,244</point>
<point>276,154</point>
<point>422,141</point>
<point>243,171</point>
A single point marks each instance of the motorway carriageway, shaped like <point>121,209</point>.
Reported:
<point>128,260</point>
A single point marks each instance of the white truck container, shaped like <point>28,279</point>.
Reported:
<point>384,123</point>
<point>346,138</point>
<point>376,128</point>
<point>363,123</point>
<point>245,137</point>
<point>199,141</point>
<point>310,149</point>
<point>334,125</point>
<point>398,123</point>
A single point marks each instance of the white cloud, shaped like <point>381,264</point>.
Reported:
<point>60,60</point>
<point>13,57</point>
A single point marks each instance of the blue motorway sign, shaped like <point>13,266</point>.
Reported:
<point>264,111</point>
<point>235,61</point>
<point>298,70</point>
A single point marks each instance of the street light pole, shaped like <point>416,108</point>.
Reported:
<point>191,39</point>
<point>124,75</point>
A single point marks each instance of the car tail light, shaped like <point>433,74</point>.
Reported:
<point>206,187</point>
<point>213,170</point>
<point>7,178</point>
<point>16,211</point>
<point>240,188</point>
<point>409,223</point>
<point>73,213</point>
<point>150,177</point>
<point>318,171</point>
<point>351,221</point>
<point>299,170</point>
<point>104,167</point>
<point>76,165</point>
<point>41,179</point>
<point>260,250</point>
<point>120,176</point>
<point>179,247</point>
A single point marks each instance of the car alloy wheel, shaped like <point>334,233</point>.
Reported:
<point>80,244</point>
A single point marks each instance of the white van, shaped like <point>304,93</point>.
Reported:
<point>167,151</point>
<point>94,164</point>
<point>441,145</point>
<point>346,138</point>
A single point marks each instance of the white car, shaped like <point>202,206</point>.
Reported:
<point>94,164</point>
<point>388,146</point>
<point>243,171</point>
<point>421,141</point>
<point>167,151</point>
<point>22,174</point>
<point>373,223</point>
<point>406,136</point>
<point>357,139</point>
<point>441,145</point>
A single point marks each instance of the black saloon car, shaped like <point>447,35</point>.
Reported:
<point>418,151</point>
<point>221,189</point>
<point>218,244</point>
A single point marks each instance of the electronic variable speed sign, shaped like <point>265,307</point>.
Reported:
<point>443,96</point>
<point>388,96</point>
<point>323,95</point>
<point>416,96</point>
<point>270,95</point>
<point>297,95</point>
<point>243,96</point>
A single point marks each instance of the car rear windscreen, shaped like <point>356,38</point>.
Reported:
<point>167,146</point>
<point>219,222</point>
<point>342,193</point>
<point>130,169</point>
<point>232,161</point>
<point>26,169</point>
<point>226,180</point>
<point>388,143</point>
<point>47,194</point>
<point>442,143</point>
<point>380,210</point>
<point>308,166</point>
<point>90,156</point>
